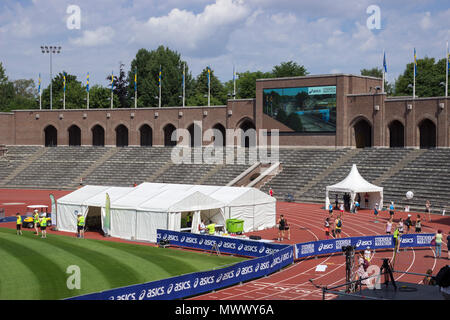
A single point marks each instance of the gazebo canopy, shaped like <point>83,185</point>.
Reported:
<point>354,183</point>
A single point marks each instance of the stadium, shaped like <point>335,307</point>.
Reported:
<point>320,187</point>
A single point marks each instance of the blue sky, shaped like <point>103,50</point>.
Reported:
<point>325,36</point>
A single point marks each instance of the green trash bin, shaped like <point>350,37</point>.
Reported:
<point>235,225</point>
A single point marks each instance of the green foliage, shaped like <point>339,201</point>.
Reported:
<point>218,94</point>
<point>289,69</point>
<point>148,63</point>
<point>378,73</point>
<point>430,75</point>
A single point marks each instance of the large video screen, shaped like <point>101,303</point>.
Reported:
<point>302,109</point>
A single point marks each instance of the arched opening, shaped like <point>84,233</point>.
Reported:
<point>121,136</point>
<point>363,134</point>
<point>219,135</point>
<point>168,130</point>
<point>98,136</point>
<point>146,135</point>
<point>195,135</point>
<point>396,134</point>
<point>427,132</point>
<point>74,136</point>
<point>51,136</point>
<point>249,134</point>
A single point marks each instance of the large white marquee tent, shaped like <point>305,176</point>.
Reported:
<point>353,184</point>
<point>136,213</point>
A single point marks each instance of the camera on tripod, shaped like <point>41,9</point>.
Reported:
<point>348,249</point>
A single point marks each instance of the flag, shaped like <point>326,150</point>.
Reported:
<point>182,79</point>
<point>209,74</point>
<point>384,62</point>
<point>415,63</point>
<point>448,60</point>
<point>64,77</point>
<point>112,80</point>
<point>135,80</point>
<point>159,77</point>
<point>87,82</point>
<point>39,82</point>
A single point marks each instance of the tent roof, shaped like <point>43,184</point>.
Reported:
<point>354,182</point>
<point>167,197</point>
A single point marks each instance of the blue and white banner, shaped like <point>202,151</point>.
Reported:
<point>199,282</point>
<point>235,246</point>
<point>330,246</point>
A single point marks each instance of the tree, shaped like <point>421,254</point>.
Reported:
<point>121,87</point>
<point>289,69</point>
<point>99,97</point>
<point>430,75</point>
<point>246,83</point>
<point>218,93</point>
<point>148,64</point>
<point>378,73</point>
<point>75,93</point>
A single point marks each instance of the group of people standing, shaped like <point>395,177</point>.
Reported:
<point>40,222</point>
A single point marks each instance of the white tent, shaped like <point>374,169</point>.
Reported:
<point>136,213</point>
<point>354,183</point>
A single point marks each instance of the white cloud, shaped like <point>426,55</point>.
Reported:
<point>205,33</point>
<point>99,37</point>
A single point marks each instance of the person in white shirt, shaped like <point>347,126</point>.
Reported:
<point>202,227</point>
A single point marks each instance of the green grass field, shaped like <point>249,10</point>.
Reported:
<point>35,268</point>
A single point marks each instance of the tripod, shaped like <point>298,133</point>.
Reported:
<point>215,249</point>
<point>386,267</point>
<point>349,272</point>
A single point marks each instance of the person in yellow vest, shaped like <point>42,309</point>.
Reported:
<point>80,226</point>
<point>36,221</point>
<point>212,228</point>
<point>43,224</point>
<point>397,239</point>
<point>19,224</point>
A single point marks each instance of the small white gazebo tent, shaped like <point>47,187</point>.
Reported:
<point>354,183</point>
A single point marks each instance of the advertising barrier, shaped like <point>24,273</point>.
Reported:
<point>269,258</point>
<point>314,248</point>
<point>201,282</point>
<point>230,245</point>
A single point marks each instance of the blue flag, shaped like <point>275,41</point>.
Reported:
<point>384,62</point>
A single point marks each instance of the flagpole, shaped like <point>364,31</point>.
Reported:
<point>135,88</point>
<point>384,70</point>
<point>209,86</point>
<point>40,95</point>
<point>184,83</point>
<point>447,66</point>
<point>234,83</point>
<point>414,80</point>
<point>159,100</point>
<point>64,96</point>
<point>87,91</point>
<point>112,84</point>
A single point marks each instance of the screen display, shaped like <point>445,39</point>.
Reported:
<point>302,109</point>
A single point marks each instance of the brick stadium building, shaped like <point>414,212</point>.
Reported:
<point>337,110</point>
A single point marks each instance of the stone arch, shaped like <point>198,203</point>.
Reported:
<point>248,127</point>
<point>121,135</point>
<point>427,133</point>
<point>146,135</point>
<point>74,135</point>
<point>219,137</point>
<point>396,131</point>
<point>361,128</point>
<point>98,135</point>
<point>168,129</point>
<point>50,136</point>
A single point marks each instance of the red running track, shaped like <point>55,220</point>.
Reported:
<point>306,221</point>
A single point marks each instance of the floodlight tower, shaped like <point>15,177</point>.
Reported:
<point>51,50</point>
